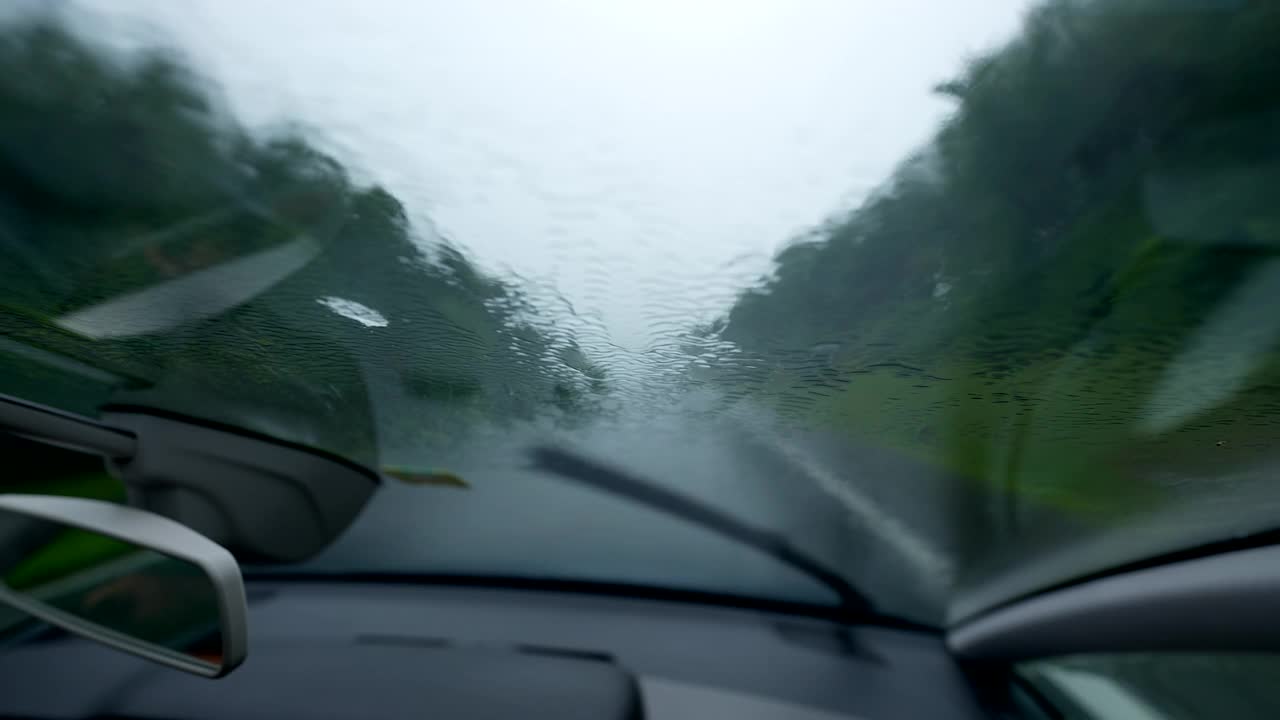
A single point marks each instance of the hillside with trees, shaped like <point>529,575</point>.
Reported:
<point>155,252</point>
<point>1070,292</point>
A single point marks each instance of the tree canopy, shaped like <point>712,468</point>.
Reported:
<point>213,271</point>
<point>1029,298</point>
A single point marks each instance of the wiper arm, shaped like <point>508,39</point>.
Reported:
<point>587,472</point>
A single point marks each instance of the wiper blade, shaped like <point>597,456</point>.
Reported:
<point>571,466</point>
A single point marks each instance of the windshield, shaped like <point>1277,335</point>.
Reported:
<point>964,300</point>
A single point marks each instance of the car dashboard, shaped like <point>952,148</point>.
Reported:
<point>374,650</point>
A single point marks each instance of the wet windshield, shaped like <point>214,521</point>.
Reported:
<point>963,299</point>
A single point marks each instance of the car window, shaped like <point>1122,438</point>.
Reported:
<point>1158,686</point>
<point>964,299</point>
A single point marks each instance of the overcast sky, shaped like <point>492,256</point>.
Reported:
<point>641,158</point>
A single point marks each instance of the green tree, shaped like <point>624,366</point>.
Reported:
<point>145,234</point>
<point>1011,303</point>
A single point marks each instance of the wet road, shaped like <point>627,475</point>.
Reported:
<point>873,517</point>
<point>920,542</point>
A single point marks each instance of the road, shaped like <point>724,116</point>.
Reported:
<point>877,518</point>
<point>921,542</point>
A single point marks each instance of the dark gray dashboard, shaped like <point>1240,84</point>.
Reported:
<point>377,650</point>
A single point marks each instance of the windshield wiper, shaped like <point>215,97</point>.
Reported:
<point>571,466</point>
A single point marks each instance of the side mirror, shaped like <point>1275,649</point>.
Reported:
<point>126,577</point>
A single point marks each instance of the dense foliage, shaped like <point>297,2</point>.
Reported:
<point>1073,285</point>
<point>122,178</point>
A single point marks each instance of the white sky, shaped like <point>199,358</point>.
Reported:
<point>644,158</point>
